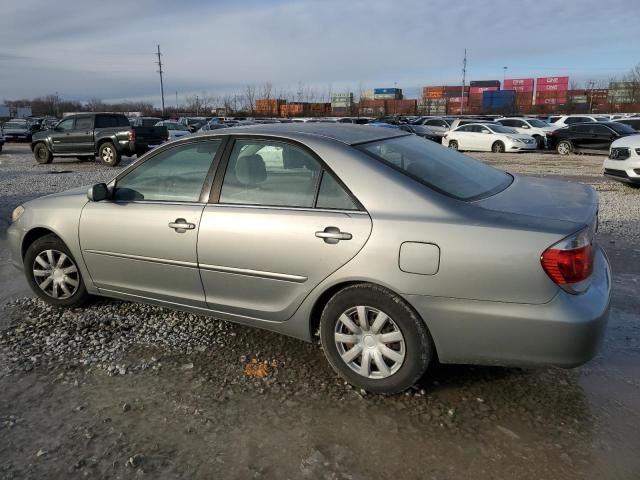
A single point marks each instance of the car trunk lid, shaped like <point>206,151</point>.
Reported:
<point>546,198</point>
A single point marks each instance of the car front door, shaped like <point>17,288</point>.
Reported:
<point>142,242</point>
<point>602,136</point>
<point>581,136</point>
<point>463,136</point>
<point>61,136</point>
<point>279,224</point>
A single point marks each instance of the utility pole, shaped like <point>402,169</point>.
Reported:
<point>464,79</point>
<point>159,63</point>
<point>176,101</point>
<point>591,84</point>
<point>504,76</point>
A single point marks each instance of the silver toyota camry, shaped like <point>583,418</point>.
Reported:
<point>396,249</point>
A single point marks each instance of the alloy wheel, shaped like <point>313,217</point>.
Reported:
<point>369,342</point>
<point>107,154</point>
<point>56,274</point>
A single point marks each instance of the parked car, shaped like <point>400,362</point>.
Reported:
<point>430,125</point>
<point>566,120</point>
<point>193,124</point>
<point>396,249</point>
<point>109,135</point>
<point>587,137</point>
<point>147,128</point>
<point>17,130</point>
<point>2,140</point>
<point>354,120</point>
<point>213,126</point>
<point>174,129</point>
<point>623,163</point>
<point>424,132</point>
<point>458,122</point>
<point>488,137</point>
<point>632,122</point>
<point>529,126</point>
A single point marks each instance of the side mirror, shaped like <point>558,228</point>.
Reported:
<point>98,192</point>
<point>486,132</point>
<point>525,126</point>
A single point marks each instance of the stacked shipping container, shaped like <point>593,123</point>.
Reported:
<point>551,90</point>
<point>524,92</point>
<point>269,107</point>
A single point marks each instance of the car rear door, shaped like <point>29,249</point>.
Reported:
<point>142,243</point>
<point>278,224</point>
<point>602,136</point>
<point>61,138</point>
<point>80,139</point>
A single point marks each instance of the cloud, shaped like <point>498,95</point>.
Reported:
<point>82,49</point>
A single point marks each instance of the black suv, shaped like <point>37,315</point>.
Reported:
<point>108,135</point>
<point>589,137</point>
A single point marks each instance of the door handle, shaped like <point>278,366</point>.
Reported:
<point>333,235</point>
<point>181,225</point>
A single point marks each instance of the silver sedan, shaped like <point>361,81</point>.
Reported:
<point>396,249</point>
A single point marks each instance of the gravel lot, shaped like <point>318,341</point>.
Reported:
<point>121,390</point>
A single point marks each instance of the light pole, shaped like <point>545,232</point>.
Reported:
<point>504,76</point>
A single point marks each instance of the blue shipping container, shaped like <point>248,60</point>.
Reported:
<point>380,91</point>
<point>498,101</point>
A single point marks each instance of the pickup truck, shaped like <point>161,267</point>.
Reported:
<point>108,135</point>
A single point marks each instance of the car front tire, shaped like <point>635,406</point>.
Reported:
<point>53,273</point>
<point>498,147</point>
<point>564,147</point>
<point>374,340</point>
<point>453,145</point>
<point>42,154</point>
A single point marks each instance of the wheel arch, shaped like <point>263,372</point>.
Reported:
<point>33,235</point>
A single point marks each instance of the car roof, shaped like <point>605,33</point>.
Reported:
<point>346,133</point>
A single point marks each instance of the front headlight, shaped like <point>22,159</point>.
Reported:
<point>17,213</point>
<point>514,139</point>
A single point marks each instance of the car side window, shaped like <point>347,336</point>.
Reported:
<point>517,123</point>
<point>174,175</point>
<point>507,123</point>
<point>465,128</point>
<point>270,173</point>
<point>66,125</point>
<point>84,123</point>
<point>600,130</point>
<point>332,196</point>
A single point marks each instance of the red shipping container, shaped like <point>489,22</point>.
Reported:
<point>457,100</point>
<point>551,100</point>
<point>551,81</point>
<point>553,87</point>
<point>481,90</point>
<point>523,84</point>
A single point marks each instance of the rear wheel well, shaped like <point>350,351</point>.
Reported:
<point>32,236</point>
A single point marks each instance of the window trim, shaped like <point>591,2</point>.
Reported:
<point>206,186</point>
<point>216,189</point>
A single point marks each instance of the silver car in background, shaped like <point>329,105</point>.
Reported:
<point>396,249</point>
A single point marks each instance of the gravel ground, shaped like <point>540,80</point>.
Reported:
<point>122,390</point>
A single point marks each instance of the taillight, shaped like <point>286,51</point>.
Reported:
<point>132,135</point>
<point>569,263</point>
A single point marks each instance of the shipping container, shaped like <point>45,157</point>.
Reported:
<point>540,81</point>
<point>380,91</point>
<point>578,99</point>
<point>519,84</point>
<point>386,96</point>
<point>269,107</point>
<point>366,95</point>
<point>552,87</point>
<point>485,83</point>
<point>480,90</point>
<point>400,107</point>
<point>457,100</point>
<point>499,101</point>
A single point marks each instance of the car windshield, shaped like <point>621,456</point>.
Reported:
<point>602,119</point>
<point>622,128</point>
<point>439,168</point>
<point>534,122</point>
<point>500,128</point>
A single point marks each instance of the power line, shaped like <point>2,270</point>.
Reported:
<point>160,71</point>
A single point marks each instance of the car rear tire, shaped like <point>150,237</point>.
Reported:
<point>53,274</point>
<point>564,147</point>
<point>42,154</point>
<point>109,154</point>
<point>374,340</point>
<point>498,147</point>
<point>453,145</point>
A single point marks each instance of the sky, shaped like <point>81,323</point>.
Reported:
<point>90,48</point>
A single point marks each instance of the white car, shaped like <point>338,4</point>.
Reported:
<point>175,129</point>
<point>488,137</point>
<point>529,126</point>
<point>566,120</point>
<point>623,163</point>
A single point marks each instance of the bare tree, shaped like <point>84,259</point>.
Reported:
<point>267,90</point>
<point>250,98</point>
<point>94,104</point>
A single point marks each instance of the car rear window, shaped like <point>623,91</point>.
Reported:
<point>439,168</point>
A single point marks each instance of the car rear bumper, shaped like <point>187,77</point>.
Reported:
<point>564,332</point>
